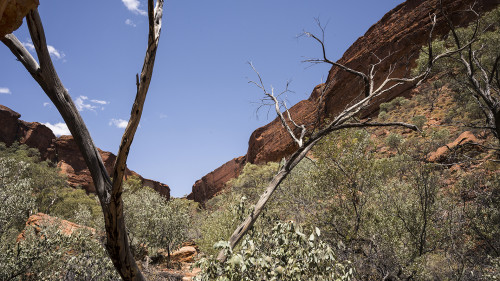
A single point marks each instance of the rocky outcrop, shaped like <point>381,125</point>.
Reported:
<point>62,150</point>
<point>398,37</point>
<point>12,13</point>
<point>215,181</point>
<point>33,134</point>
<point>443,152</point>
<point>43,220</point>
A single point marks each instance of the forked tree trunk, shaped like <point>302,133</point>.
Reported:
<point>109,193</point>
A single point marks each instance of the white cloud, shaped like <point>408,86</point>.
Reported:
<point>130,22</point>
<point>83,103</point>
<point>133,6</point>
<point>58,129</point>
<point>45,104</point>
<point>119,123</point>
<point>29,46</point>
<point>163,116</point>
<point>103,102</point>
<point>4,90</point>
<point>55,53</point>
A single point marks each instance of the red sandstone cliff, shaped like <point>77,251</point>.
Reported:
<point>62,150</point>
<point>398,36</point>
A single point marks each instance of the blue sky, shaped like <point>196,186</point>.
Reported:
<point>200,109</point>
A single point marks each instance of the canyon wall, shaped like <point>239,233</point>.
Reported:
<point>62,150</point>
<point>397,37</point>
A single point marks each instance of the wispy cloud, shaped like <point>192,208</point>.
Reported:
<point>58,129</point>
<point>130,22</point>
<point>54,53</point>
<point>46,104</point>
<point>163,116</point>
<point>83,103</point>
<point>4,90</point>
<point>29,46</point>
<point>119,123</point>
<point>103,102</point>
<point>133,6</point>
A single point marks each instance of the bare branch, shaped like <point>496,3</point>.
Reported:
<point>270,96</point>
<point>155,16</point>
<point>338,123</point>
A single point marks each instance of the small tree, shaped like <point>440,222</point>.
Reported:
<point>153,220</point>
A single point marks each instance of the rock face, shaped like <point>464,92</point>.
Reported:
<point>215,181</point>
<point>62,150</point>
<point>398,36</point>
<point>12,13</point>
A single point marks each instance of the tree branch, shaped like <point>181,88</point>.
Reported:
<point>155,16</point>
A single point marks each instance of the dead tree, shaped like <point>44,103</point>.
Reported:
<point>109,191</point>
<point>481,81</point>
<point>305,140</point>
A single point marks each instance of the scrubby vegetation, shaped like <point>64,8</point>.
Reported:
<point>368,204</point>
<point>45,252</point>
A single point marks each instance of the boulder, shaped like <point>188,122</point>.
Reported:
<point>12,13</point>
<point>441,153</point>
<point>41,219</point>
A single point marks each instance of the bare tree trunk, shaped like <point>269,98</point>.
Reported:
<point>109,192</point>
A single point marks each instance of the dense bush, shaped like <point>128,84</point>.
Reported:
<point>284,253</point>
<point>45,253</point>
<point>152,220</point>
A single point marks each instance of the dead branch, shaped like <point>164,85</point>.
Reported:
<point>341,121</point>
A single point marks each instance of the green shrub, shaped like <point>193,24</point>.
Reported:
<point>284,253</point>
<point>154,221</point>
<point>393,140</point>
<point>47,254</point>
<point>419,121</point>
<point>382,115</point>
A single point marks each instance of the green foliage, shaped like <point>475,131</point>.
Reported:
<point>393,140</point>
<point>382,115</point>
<point>419,121</point>
<point>468,104</point>
<point>69,203</point>
<point>284,253</point>
<point>398,101</point>
<point>225,211</point>
<point>154,221</point>
<point>252,180</point>
<point>44,253</point>
<point>28,185</point>
<point>215,226</point>
<point>16,195</point>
